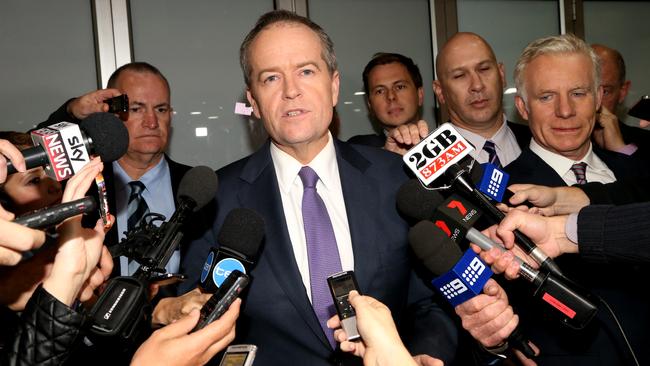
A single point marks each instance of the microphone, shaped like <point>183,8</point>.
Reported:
<point>240,239</point>
<point>428,160</point>
<point>571,307</point>
<point>64,148</point>
<point>49,216</point>
<point>460,277</point>
<point>124,309</point>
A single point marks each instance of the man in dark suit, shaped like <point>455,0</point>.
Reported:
<point>610,132</point>
<point>394,95</point>
<point>292,84</point>
<point>558,92</point>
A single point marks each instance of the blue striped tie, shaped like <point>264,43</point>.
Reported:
<point>493,158</point>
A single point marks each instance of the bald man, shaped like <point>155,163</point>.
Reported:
<point>470,84</point>
<point>611,133</point>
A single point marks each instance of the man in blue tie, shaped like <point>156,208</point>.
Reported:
<point>327,206</point>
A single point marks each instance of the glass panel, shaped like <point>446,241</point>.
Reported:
<point>48,56</point>
<point>361,28</point>
<point>627,31</point>
<point>508,26</point>
<point>196,46</point>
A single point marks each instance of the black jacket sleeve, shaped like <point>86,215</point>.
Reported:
<point>59,115</point>
<point>615,233</point>
<point>46,333</point>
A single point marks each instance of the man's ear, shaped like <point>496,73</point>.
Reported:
<point>336,80</point>
<point>420,96</point>
<point>625,88</point>
<point>521,107</point>
<point>437,90</point>
<point>502,74</point>
<point>253,103</point>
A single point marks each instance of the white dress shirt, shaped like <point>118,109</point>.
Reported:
<point>596,170</point>
<point>506,145</point>
<point>330,190</point>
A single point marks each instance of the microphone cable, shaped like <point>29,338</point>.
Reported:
<point>620,328</point>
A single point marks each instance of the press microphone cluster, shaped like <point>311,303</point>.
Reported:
<point>64,148</point>
<point>453,219</point>
<point>460,277</point>
<point>123,311</point>
<point>440,156</point>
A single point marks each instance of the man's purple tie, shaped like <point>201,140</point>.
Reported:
<point>322,251</point>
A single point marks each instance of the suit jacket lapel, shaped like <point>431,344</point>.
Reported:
<point>361,205</point>
<point>261,193</point>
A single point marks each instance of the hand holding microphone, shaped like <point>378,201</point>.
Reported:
<point>92,102</point>
<point>9,152</point>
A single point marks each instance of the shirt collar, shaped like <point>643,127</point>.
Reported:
<point>499,138</point>
<point>151,179</point>
<point>562,164</point>
<point>287,167</point>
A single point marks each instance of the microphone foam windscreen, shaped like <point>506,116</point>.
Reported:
<point>417,202</point>
<point>436,251</point>
<point>110,137</point>
<point>477,173</point>
<point>199,184</point>
<point>243,231</point>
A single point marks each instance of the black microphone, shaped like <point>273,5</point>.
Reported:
<point>63,148</point>
<point>461,181</point>
<point>420,203</point>
<point>49,216</point>
<point>240,239</point>
<point>566,300</point>
<point>124,310</point>
<point>460,277</point>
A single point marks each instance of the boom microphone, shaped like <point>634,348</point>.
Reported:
<point>123,311</point>
<point>49,216</point>
<point>240,240</point>
<point>64,148</point>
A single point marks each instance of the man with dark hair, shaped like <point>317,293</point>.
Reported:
<point>610,132</point>
<point>327,206</point>
<point>393,87</point>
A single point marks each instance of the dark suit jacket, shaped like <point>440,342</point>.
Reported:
<point>601,342</point>
<point>530,168</point>
<point>375,140</point>
<point>521,132</point>
<point>277,315</point>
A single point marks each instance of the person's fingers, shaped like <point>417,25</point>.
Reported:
<point>9,257</point>
<point>79,184</point>
<point>20,238</point>
<point>11,152</point>
<point>334,322</point>
<point>423,128</point>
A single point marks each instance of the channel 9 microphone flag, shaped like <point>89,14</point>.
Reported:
<point>441,148</point>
